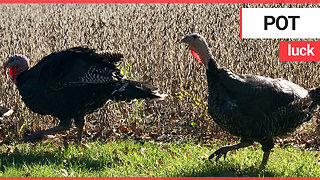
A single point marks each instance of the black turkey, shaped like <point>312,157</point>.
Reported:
<point>4,112</point>
<point>255,108</point>
<point>72,83</point>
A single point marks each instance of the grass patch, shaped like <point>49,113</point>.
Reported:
<point>128,158</point>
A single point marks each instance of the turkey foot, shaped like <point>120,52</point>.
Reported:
<point>219,153</point>
<point>224,150</point>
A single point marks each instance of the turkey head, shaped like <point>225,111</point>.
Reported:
<point>17,64</point>
<point>198,47</point>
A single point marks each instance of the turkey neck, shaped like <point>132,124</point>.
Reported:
<point>212,69</point>
<point>22,78</point>
<point>213,81</point>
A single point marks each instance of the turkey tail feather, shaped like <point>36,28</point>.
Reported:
<point>129,90</point>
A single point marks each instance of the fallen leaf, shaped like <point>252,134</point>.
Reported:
<point>115,152</point>
<point>159,162</point>
<point>134,150</point>
<point>173,154</point>
<point>205,156</point>
<point>188,154</point>
<point>64,172</point>
<point>84,146</point>
<point>123,129</point>
<point>166,146</point>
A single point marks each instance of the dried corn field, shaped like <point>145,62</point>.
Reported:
<point>149,37</point>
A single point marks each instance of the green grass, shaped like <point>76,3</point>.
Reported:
<point>129,158</point>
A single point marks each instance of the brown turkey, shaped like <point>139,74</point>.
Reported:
<point>4,112</point>
<point>72,83</point>
<point>255,108</point>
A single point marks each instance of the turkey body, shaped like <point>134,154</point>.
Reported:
<point>256,108</point>
<point>72,83</point>
<point>64,103</point>
<point>253,107</point>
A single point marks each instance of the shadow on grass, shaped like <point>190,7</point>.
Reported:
<point>228,169</point>
<point>20,160</point>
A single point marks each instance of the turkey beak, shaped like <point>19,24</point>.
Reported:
<point>5,65</point>
<point>184,40</point>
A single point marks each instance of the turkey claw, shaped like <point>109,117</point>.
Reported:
<point>219,153</point>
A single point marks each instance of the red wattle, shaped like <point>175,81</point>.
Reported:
<point>12,70</point>
<point>195,55</point>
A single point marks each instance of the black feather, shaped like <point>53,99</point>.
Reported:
<point>74,82</point>
<point>255,108</point>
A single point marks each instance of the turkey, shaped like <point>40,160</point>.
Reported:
<point>255,108</point>
<point>5,112</point>
<point>72,83</point>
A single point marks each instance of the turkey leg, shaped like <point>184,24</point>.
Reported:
<point>224,150</point>
<point>265,159</point>
<point>40,134</point>
<point>63,125</point>
<point>79,123</point>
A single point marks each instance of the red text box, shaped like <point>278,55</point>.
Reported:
<point>299,51</point>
